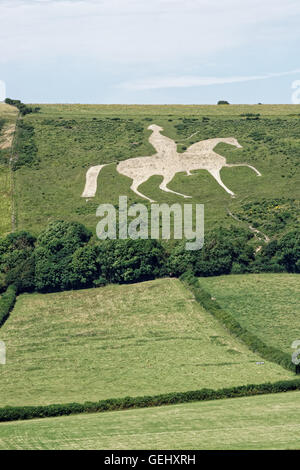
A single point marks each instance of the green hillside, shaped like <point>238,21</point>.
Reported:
<point>8,116</point>
<point>262,422</point>
<point>266,305</point>
<point>130,340</point>
<point>56,146</point>
<point>151,337</point>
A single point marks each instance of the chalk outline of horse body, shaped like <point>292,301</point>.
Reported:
<point>167,162</point>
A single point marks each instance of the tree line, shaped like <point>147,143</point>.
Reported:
<point>66,256</point>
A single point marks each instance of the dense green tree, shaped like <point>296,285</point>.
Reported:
<point>288,253</point>
<point>17,261</point>
<point>222,247</point>
<point>85,266</point>
<point>131,260</point>
<point>54,252</point>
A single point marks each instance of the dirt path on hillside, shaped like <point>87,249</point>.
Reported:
<point>255,231</point>
<point>6,137</point>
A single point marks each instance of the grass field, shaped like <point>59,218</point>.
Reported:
<point>261,422</point>
<point>71,138</point>
<point>268,305</point>
<point>115,341</point>
<point>5,199</point>
<point>8,116</point>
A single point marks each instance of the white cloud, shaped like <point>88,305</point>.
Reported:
<point>132,31</point>
<point>192,81</point>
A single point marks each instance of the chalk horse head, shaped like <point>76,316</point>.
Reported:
<point>155,128</point>
<point>166,162</point>
<point>233,141</point>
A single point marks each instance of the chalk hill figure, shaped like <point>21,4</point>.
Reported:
<point>167,162</point>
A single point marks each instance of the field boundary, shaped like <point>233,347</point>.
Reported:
<point>12,173</point>
<point>7,303</point>
<point>254,343</point>
<point>16,413</point>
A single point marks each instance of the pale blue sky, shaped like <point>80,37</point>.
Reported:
<point>150,51</point>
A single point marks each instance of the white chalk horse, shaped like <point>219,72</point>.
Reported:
<point>167,162</point>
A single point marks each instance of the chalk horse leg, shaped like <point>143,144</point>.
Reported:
<point>216,175</point>
<point>244,164</point>
<point>163,186</point>
<point>134,187</point>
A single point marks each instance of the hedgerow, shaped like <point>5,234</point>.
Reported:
<point>23,108</point>
<point>7,301</point>
<point>254,343</point>
<point>13,413</point>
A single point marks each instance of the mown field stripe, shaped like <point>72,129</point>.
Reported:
<point>254,343</point>
<point>45,411</point>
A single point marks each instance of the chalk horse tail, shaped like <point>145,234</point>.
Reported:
<point>91,178</point>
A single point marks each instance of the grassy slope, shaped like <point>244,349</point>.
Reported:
<point>140,339</point>
<point>268,305</point>
<point>263,422</point>
<point>8,116</point>
<point>71,138</point>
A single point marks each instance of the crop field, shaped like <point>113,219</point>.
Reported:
<point>115,341</point>
<point>64,141</point>
<point>267,305</point>
<point>260,422</point>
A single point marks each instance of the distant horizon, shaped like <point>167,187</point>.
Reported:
<point>153,104</point>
